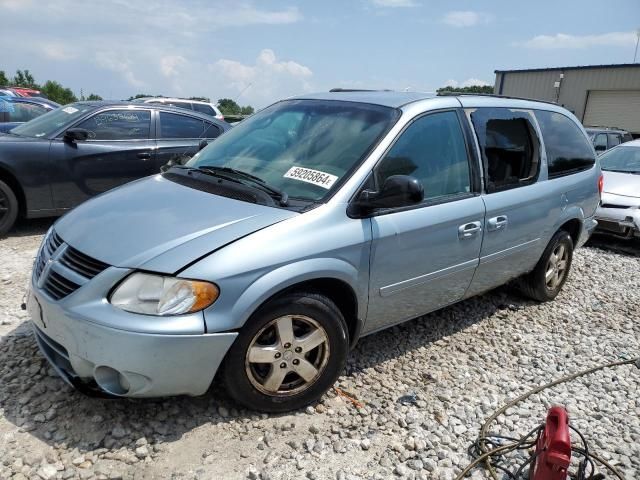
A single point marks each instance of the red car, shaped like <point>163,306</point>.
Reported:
<point>26,92</point>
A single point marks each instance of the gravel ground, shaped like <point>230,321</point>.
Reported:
<point>409,404</point>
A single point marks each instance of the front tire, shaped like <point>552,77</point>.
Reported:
<point>551,272</point>
<point>8,208</point>
<point>288,355</point>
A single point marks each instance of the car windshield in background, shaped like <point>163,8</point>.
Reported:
<point>302,147</point>
<point>621,159</point>
<point>51,122</point>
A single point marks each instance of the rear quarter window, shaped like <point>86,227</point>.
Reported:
<point>202,108</point>
<point>568,150</point>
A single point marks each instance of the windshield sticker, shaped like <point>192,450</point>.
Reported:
<point>69,110</point>
<point>315,177</point>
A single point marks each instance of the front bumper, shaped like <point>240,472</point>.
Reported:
<point>96,358</point>
<point>621,222</point>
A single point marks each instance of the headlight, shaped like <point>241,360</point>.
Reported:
<point>160,295</point>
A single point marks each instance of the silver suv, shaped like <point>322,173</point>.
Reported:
<point>202,107</point>
<point>316,221</point>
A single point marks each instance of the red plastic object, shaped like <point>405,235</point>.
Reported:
<point>553,451</point>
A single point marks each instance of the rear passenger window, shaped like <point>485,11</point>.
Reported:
<point>432,149</point>
<point>180,126</point>
<point>600,141</point>
<point>614,139</point>
<point>568,150</point>
<point>509,145</point>
<point>202,108</point>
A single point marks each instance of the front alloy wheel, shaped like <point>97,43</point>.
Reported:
<point>289,353</point>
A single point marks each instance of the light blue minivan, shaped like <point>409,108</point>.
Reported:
<point>318,220</point>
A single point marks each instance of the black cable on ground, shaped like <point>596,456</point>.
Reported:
<point>485,454</point>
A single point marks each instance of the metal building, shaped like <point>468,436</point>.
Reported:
<point>599,95</point>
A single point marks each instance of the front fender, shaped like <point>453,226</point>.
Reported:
<point>232,313</point>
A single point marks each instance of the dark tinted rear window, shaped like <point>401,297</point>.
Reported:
<point>568,150</point>
<point>180,126</point>
<point>212,131</point>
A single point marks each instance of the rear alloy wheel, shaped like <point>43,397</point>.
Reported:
<point>8,208</point>
<point>547,278</point>
<point>288,354</point>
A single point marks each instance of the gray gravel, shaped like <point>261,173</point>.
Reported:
<point>409,404</point>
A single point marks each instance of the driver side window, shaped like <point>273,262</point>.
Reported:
<point>118,125</point>
<point>432,149</point>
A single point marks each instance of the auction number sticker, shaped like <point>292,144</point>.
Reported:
<point>315,177</point>
<point>69,110</point>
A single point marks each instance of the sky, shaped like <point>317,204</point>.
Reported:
<point>257,52</point>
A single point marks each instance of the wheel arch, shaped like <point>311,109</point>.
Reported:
<point>8,177</point>
<point>340,281</point>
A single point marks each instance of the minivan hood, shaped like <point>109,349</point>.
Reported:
<point>626,184</point>
<point>158,225</point>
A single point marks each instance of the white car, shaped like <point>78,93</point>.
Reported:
<point>198,106</point>
<point>619,211</point>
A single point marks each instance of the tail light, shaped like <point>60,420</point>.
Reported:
<point>601,183</point>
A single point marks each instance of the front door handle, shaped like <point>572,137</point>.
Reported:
<point>497,223</point>
<point>469,230</point>
<point>144,155</point>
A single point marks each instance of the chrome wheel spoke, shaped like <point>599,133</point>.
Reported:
<point>284,327</point>
<point>549,275</point>
<point>562,265</point>
<point>560,252</point>
<point>275,378</point>
<point>311,340</point>
<point>306,370</point>
<point>258,354</point>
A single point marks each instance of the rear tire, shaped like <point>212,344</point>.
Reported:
<point>8,208</point>
<point>552,270</point>
<point>298,332</point>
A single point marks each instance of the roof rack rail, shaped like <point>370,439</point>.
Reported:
<point>493,95</point>
<point>336,90</point>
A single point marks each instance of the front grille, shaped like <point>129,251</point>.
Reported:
<point>82,264</point>
<point>53,242</point>
<point>58,287</point>
<point>61,274</point>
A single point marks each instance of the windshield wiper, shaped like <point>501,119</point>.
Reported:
<point>254,181</point>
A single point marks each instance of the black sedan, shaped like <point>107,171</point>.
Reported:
<point>60,159</point>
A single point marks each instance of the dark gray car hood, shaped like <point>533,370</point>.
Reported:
<point>159,225</point>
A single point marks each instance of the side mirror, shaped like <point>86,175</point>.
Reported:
<point>397,191</point>
<point>202,144</point>
<point>74,134</point>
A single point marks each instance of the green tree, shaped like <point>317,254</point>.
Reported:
<point>228,106</point>
<point>94,96</point>
<point>248,110</point>
<point>24,79</point>
<point>472,89</point>
<point>3,79</point>
<point>58,93</point>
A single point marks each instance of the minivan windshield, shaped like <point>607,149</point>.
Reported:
<point>301,147</point>
<point>49,123</point>
<point>621,159</point>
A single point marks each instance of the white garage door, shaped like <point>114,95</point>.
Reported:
<point>614,108</point>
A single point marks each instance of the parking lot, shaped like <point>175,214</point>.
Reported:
<point>409,404</point>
